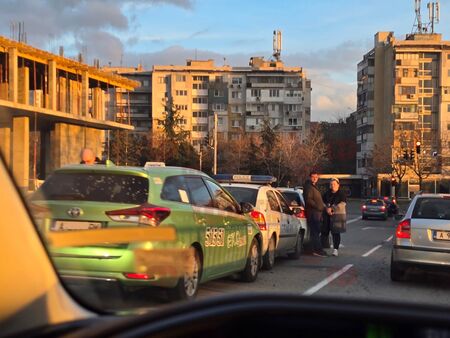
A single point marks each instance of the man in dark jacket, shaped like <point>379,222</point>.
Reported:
<point>314,207</point>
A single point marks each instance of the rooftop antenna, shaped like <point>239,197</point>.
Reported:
<point>433,14</point>
<point>419,26</point>
<point>277,44</point>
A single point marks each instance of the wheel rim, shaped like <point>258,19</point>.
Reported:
<point>254,260</point>
<point>191,279</point>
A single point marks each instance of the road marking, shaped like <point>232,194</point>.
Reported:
<point>389,239</point>
<point>354,220</point>
<point>372,250</point>
<point>368,228</point>
<point>326,281</point>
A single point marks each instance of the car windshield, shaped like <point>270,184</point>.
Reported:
<point>241,194</point>
<point>99,187</point>
<point>153,141</point>
<point>432,208</point>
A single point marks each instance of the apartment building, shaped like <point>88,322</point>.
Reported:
<point>241,97</point>
<point>134,107</point>
<point>404,98</point>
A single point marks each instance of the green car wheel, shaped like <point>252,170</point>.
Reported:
<point>187,286</point>
<point>253,261</point>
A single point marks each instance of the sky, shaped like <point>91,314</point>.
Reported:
<point>325,37</point>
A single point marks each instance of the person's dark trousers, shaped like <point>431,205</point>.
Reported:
<point>336,240</point>
<point>325,231</point>
<point>314,222</point>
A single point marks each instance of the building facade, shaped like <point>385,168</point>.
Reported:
<point>241,97</point>
<point>404,101</point>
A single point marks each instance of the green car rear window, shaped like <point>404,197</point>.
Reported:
<point>96,187</point>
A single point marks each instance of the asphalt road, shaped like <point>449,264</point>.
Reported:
<point>360,271</point>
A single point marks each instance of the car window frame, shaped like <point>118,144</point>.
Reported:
<point>282,200</point>
<point>187,190</point>
<point>186,177</point>
<point>276,200</point>
<point>233,201</point>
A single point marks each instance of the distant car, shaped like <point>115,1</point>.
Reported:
<point>422,238</point>
<point>296,195</point>
<point>282,231</point>
<point>375,208</point>
<point>221,238</point>
<point>392,205</point>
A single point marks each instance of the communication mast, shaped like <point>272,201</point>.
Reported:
<point>420,27</point>
<point>277,45</point>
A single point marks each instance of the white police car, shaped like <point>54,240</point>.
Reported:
<point>282,231</point>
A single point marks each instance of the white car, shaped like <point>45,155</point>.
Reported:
<point>422,238</point>
<point>282,231</point>
<point>296,194</point>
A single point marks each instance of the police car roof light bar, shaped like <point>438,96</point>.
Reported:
<point>255,179</point>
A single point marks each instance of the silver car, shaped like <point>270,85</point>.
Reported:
<point>422,238</point>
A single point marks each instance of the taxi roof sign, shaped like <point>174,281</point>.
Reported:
<point>154,164</point>
<point>255,179</point>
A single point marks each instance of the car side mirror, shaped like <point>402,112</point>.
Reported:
<point>246,207</point>
<point>398,217</point>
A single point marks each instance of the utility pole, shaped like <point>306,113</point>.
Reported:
<point>215,143</point>
<point>200,157</point>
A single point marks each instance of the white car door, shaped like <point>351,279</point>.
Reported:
<point>274,216</point>
<point>289,224</point>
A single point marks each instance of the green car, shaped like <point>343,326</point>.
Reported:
<point>216,231</point>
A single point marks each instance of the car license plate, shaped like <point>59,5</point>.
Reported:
<point>442,235</point>
<point>75,225</point>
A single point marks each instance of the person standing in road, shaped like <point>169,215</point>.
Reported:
<point>314,207</point>
<point>335,216</point>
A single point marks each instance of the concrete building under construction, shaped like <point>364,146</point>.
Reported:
<point>50,108</point>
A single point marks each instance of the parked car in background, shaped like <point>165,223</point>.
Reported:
<point>282,232</point>
<point>294,196</point>
<point>422,238</point>
<point>219,236</point>
<point>374,208</point>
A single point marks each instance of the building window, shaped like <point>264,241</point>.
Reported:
<point>200,127</point>
<point>145,83</point>
<point>181,106</point>
<point>256,93</point>
<point>236,95</point>
<point>218,93</point>
<point>200,114</point>
<point>274,93</point>
<point>201,78</point>
<point>181,78</point>
<point>236,123</point>
<point>258,108</point>
<point>199,86</point>
<point>162,79</point>
<point>448,108</point>
<point>219,106</point>
<point>181,92</point>
<point>236,80</point>
<point>292,122</point>
<point>200,100</point>
<point>236,109</point>
<point>220,121</point>
<point>407,90</point>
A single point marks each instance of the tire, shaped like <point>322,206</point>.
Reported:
<point>298,247</point>
<point>187,286</point>
<point>397,272</point>
<point>250,272</point>
<point>269,256</point>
